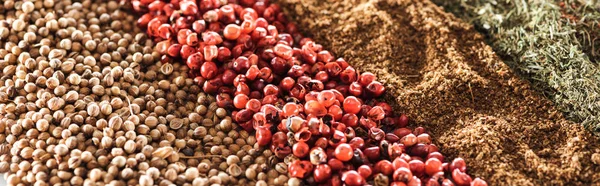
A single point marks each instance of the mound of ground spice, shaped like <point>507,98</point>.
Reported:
<point>441,73</point>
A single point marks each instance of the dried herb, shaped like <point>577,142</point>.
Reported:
<point>535,39</point>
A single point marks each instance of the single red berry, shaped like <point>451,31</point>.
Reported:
<point>478,182</point>
<point>208,70</point>
<point>365,171</point>
<point>402,174</point>
<point>326,98</point>
<point>210,52</point>
<point>343,152</point>
<point>186,51</point>
<point>349,75</point>
<point>355,89</point>
<point>373,153</point>
<point>417,167</point>
<point>351,105</point>
<point>240,100</point>
<point>164,31</point>
<point>188,7</point>
<point>322,173</point>
<point>253,105</point>
<point>336,112</point>
<point>263,135</point>
<point>314,108</point>
<point>300,149</point>
<point>459,164</point>
<point>299,168</point>
<point>199,26</point>
<point>366,78</point>
<point>211,38</point>
<point>194,61</point>
<point>433,166</point>
<point>192,39</point>
<point>232,32</point>
<point>461,178</point>
<point>352,178</point>
<point>375,89</point>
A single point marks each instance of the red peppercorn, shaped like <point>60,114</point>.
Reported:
<point>419,130</point>
<point>402,174</point>
<point>436,155</point>
<point>409,140</point>
<point>240,101</point>
<point>366,78</point>
<point>415,181</point>
<point>199,26</point>
<point>283,51</point>
<point>417,167</point>
<point>271,89</point>
<point>315,108</point>
<point>355,89</point>
<point>352,178</point>
<point>324,130</point>
<point>343,152</point>
<point>351,105</point>
<point>376,134</point>
<point>365,171</point>
<point>392,138</point>
<point>326,98</point>
<point>192,39</point>
<point>461,178</point>
<point>211,38</point>
<point>325,56</point>
<point>174,50</point>
<point>232,32</point>
<point>384,167</point>
<point>375,89</point>
<point>376,113</point>
<point>336,112</point>
<point>210,52</point>
<point>187,51</point>
<point>335,180</point>
<point>290,109</point>
<point>263,135</point>
<point>303,135</point>
<point>433,166</point>
<point>386,108</point>
<point>478,182</point>
<point>299,168</point>
<point>208,70</point>
<point>164,31</point>
<point>399,162</point>
<point>348,75</point>
<point>333,69</point>
<point>357,143</point>
<point>350,120</point>
<point>459,164</point>
<point>338,138</point>
<point>322,173</point>
<point>247,26</point>
<point>447,182</point>
<point>335,164</point>
<point>300,149</point>
<point>188,7</point>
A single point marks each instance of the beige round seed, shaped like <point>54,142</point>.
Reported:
<point>27,7</point>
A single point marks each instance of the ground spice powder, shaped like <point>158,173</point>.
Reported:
<point>441,73</point>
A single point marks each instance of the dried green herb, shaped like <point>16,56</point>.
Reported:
<point>585,17</point>
<point>537,40</point>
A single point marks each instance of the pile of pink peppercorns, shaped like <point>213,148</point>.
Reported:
<point>311,109</point>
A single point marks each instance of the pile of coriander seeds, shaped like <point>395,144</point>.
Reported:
<point>85,100</point>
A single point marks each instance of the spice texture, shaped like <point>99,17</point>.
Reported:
<point>440,71</point>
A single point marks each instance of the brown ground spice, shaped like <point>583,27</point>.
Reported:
<point>441,73</point>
